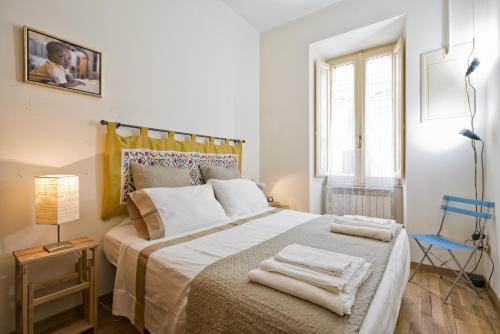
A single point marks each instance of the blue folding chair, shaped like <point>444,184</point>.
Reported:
<point>482,214</point>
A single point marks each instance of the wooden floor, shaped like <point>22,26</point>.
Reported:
<point>421,312</point>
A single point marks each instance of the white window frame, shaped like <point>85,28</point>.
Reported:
<point>359,60</point>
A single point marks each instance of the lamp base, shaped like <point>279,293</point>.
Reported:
<point>57,246</point>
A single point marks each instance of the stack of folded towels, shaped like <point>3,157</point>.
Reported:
<point>322,277</point>
<point>368,227</point>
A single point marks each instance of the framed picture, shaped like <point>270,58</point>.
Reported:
<point>55,62</point>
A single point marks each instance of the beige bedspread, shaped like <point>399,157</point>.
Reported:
<point>222,300</point>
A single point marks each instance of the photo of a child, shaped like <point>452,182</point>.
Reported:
<point>55,62</point>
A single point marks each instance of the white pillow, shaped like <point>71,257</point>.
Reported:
<point>239,196</point>
<point>183,209</point>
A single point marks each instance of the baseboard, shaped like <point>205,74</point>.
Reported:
<point>428,267</point>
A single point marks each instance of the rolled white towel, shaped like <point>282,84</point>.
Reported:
<point>362,223</point>
<point>340,304</point>
<point>367,232</point>
<point>333,283</point>
<point>376,220</point>
<point>314,258</point>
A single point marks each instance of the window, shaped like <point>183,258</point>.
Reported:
<point>359,121</point>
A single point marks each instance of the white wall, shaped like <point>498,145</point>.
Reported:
<point>493,137</point>
<point>184,65</point>
<point>438,160</point>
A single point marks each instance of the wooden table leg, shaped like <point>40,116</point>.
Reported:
<point>19,299</point>
<point>24,298</point>
<point>84,277</point>
<point>93,290</point>
<point>31,313</point>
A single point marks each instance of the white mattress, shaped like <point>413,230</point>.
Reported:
<point>170,270</point>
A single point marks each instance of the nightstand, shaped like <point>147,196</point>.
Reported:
<point>29,294</point>
<point>279,205</point>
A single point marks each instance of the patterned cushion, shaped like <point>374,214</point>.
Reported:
<point>159,176</point>
<point>190,160</point>
<point>219,173</point>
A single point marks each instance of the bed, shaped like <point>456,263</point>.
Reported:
<point>171,270</point>
<point>184,256</point>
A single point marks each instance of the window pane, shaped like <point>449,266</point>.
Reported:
<point>342,148</point>
<point>379,118</point>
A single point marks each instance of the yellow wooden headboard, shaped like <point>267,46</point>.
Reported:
<point>121,151</point>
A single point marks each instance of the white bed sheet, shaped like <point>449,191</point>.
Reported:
<point>117,238</point>
<point>170,270</point>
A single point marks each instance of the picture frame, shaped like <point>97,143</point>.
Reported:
<point>52,61</point>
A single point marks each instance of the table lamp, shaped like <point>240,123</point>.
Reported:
<point>56,202</point>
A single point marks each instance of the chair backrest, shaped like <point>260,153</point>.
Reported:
<point>478,212</point>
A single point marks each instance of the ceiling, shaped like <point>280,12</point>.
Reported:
<point>267,14</point>
<point>376,34</point>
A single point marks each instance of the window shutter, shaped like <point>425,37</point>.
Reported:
<point>322,117</point>
<point>399,108</point>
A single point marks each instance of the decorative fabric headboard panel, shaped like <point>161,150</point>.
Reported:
<point>121,151</point>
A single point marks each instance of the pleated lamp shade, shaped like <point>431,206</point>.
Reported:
<point>56,199</point>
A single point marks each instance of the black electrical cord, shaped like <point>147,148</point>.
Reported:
<point>492,270</point>
<point>473,111</point>
<point>480,256</point>
<point>477,228</point>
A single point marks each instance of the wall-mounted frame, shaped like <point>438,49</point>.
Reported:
<point>443,89</point>
<point>52,61</point>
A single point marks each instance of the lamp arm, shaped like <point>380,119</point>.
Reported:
<point>474,91</point>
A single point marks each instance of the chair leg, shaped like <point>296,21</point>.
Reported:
<point>459,275</point>
<point>416,269</point>
<point>426,255</point>
<point>464,273</point>
<point>419,264</point>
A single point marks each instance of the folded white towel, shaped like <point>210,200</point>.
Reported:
<point>380,221</point>
<point>314,258</point>
<point>367,232</point>
<point>342,220</point>
<point>340,304</point>
<point>333,283</point>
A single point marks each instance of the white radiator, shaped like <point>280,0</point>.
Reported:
<point>360,201</point>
